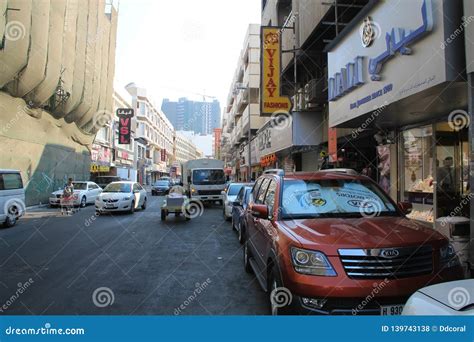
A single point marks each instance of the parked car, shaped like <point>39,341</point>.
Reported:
<point>238,209</point>
<point>84,193</point>
<point>103,181</point>
<point>161,187</point>
<point>329,238</point>
<point>228,197</point>
<point>445,299</point>
<point>12,197</point>
<point>121,196</point>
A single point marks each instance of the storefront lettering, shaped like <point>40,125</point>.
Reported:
<point>399,40</point>
<point>346,80</point>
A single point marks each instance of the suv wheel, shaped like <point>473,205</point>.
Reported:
<point>279,297</point>
<point>247,256</point>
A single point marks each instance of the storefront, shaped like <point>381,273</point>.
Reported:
<point>101,159</point>
<point>124,165</point>
<point>407,91</point>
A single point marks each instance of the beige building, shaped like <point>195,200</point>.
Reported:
<point>185,149</point>
<point>155,131</point>
<point>56,72</point>
<point>243,106</point>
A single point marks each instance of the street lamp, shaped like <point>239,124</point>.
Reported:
<point>241,86</point>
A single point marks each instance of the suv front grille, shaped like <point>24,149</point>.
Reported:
<point>388,263</point>
<point>209,192</point>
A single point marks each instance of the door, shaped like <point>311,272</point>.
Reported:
<point>259,238</point>
<point>137,195</point>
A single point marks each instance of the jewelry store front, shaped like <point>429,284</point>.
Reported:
<point>412,88</point>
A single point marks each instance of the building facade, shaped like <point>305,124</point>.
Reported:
<point>155,132</point>
<point>242,113</point>
<point>55,89</point>
<point>201,117</point>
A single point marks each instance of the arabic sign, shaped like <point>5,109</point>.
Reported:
<point>398,63</point>
<point>271,100</point>
<point>125,116</point>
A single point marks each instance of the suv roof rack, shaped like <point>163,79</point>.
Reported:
<point>341,170</point>
<point>278,172</point>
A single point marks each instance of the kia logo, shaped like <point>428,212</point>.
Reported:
<point>389,253</point>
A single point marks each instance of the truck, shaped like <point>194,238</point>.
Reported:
<point>204,179</point>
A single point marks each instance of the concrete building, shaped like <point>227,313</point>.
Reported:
<point>155,132</point>
<point>242,111</point>
<point>56,72</point>
<point>201,117</point>
<point>185,149</point>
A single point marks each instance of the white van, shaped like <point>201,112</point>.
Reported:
<point>12,197</point>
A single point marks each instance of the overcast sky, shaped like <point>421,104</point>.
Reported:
<point>176,48</point>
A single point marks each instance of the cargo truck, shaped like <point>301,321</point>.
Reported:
<point>204,179</point>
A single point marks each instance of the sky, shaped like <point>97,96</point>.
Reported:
<point>181,48</point>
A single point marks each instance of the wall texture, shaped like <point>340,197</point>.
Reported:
<point>56,78</point>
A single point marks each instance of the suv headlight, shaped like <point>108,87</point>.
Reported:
<point>448,257</point>
<point>311,262</point>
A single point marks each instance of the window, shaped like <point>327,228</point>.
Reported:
<point>135,187</point>
<point>240,195</point>
<point>270,198</point>
<point>262,191</point>
<point>10,181</point>
<point>255,189</point>
<point>234,189</point>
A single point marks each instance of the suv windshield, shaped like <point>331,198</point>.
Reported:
<point>118,187</point>
<point>79,186</point>
<point>334,198</point>
<point>201,177</point>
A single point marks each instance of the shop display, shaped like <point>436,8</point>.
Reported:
<point>425,185</point>
<point>422,215</point>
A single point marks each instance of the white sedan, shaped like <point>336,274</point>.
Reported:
<point>84,193</point>
<point>228,197</point>
<point>444,299</point>
<point>121,196</point>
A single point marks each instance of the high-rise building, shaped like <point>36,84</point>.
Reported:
<point>201,117</point>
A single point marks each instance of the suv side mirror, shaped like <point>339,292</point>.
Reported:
<point>260,211</point>
<point>405,207</point>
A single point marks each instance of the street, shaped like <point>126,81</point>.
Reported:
<point>125,264</point>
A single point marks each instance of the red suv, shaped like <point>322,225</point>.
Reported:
<point>333,242</point>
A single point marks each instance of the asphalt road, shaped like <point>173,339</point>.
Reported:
<point>125,265</point>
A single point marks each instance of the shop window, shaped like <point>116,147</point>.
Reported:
<point>418,166</point>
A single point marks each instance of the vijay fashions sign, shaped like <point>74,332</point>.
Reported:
<point>271,100</point>
<point>393,53</point>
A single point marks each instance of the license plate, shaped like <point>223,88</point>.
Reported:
<point>391,310</point>
<point>109,205</point>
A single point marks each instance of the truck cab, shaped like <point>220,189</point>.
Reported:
<point>204,179</point>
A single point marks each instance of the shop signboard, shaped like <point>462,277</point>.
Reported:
<point>271,101</point>
<point>404,57</point>
<point>273,138</point>
<point>125,116</point>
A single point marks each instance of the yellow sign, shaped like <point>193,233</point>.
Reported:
<point>271,99</point>
<point>99,168</point>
